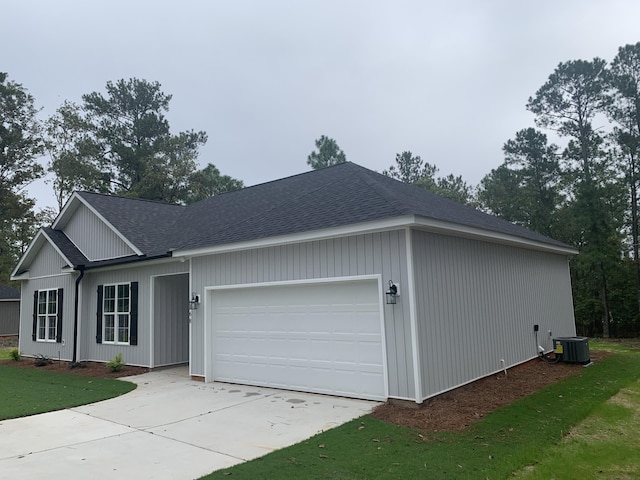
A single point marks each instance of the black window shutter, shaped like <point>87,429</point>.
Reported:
<point>99,315</point>
<point>59,320</point>
<point>34,331</point>
<point>133,327</point>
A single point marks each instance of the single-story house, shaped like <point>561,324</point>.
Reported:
<point>9,312</point>
<point>284,285</point>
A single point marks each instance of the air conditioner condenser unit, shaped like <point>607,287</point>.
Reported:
<point>572,349</point>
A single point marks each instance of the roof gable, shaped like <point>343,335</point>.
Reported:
<point>58,242</point>
<point>94,237</point>
<point>145,224</point>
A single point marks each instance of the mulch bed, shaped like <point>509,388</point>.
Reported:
<point>88,369</point>
<point>459,408</point>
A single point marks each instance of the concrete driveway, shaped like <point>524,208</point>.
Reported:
<point>170,427</point>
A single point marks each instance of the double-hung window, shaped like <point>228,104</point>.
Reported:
<point>117,313</point>
<point>117,319</point>
<point>47,315</point>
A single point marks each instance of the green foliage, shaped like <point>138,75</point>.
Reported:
<point>31,391</point>
<point>116,363</point>
<point>505,441</point>
<point>73,163</point>
<point>412,169</point>
<point>209,182</point>
<point>121,143</point>
<point>14,353</point>
<point>20,146</point>
<point>525,188</point>
<point>328,153</point>
<point>20,137</point>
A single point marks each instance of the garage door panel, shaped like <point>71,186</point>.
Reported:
<point>323,338</point>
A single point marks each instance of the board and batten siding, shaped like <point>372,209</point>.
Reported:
<point>9,317</point>
<point>477,304</point>
<point>381,253</point>
<point>93,237</point>
<point>143,274</point>
<point>47,262</point>
<point>171,320</point>
<point>53,350</point>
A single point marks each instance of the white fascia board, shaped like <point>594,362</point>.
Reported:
<point>413,221</point>
<point>354,229</point>
<point>32,250</point>
<point>67,211</point>
<point>457,230</point>
<point>29,252</point>
<point>137,264</point>
<point>77,198</point>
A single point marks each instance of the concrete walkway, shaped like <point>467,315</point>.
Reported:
<point>170,427</point>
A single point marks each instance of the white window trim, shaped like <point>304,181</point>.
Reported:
<point>116,314</point>
<point>46,317</point>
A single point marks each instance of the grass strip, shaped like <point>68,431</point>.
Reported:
<point>604,446</point>
<point>504,442</point>
<point>28,391</point>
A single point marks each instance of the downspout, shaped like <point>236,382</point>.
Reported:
<point>75,317</point>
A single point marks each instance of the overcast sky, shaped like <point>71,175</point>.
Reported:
<point>448,81</point>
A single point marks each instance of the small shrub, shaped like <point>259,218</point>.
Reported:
<point>116,363</point>
<point>42,360</point>
<point>14,353</point>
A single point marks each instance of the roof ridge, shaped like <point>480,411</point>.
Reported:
<point>380,189</point>
<point>122,197</point>
<point>294,199</point>
<point>277,180</point>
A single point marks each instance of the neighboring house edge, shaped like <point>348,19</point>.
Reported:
<point>284,285</point>
<point>9,315</point>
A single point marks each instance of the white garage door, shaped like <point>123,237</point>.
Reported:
<point>313,337</point>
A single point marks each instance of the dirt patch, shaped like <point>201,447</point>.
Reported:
<point>459,408</point>
<point>88,369</point>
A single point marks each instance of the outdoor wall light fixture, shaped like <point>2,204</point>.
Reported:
<point>194,302</point>
<point>392,294</point>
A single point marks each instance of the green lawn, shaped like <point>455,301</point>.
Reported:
<point>25,391</point>
<point>528,438</point>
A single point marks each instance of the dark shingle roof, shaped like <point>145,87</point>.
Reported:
<point>341,195</point>
<point>66,246</point>
<point>145,223</point>
<point>9,293</point>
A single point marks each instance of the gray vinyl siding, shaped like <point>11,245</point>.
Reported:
<point>93,237</point>
<point>379,253</point>
<point>143,274</point>
<point>47,262</point>
<point>171,320</point>
<point>53,350</point>
<point>477,304</point>
<point>9,317</point>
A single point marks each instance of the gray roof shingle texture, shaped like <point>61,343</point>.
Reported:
<point>9,293</point>
<point>341,195</point>
<point>66,246</point>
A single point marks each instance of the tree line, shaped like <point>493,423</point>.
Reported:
<point>583,192</point>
